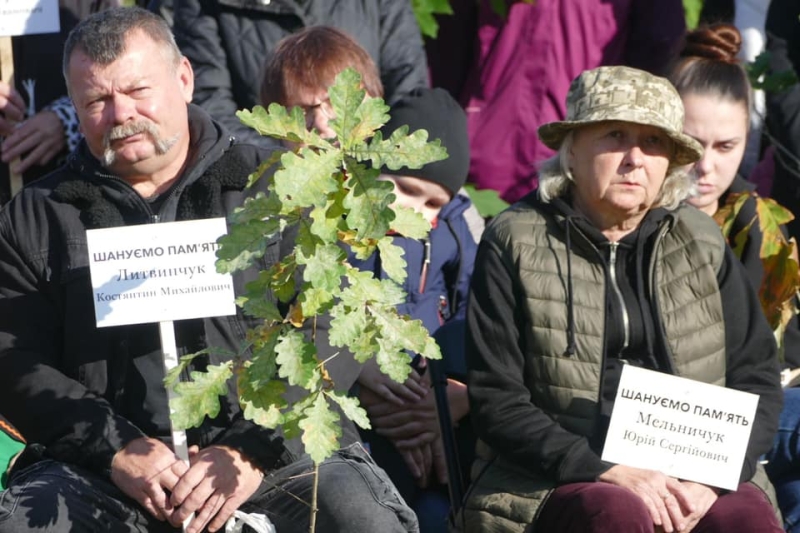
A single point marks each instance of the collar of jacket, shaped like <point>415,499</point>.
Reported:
<point>214,169</point>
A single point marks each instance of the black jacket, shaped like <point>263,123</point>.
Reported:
<point>83,392</point>
<point>229,41</point>
<point>783,108</point>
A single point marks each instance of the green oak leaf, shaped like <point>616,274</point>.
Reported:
<point>279,123</point>
<point>173,375</point>
<point>297,360</point>
<point>366,344</point>
<point>263,167</point>
<point>364,288</point>
<point>293,416</point>
<point>198,398</point>
<point>321,430</point>
<point>259,207</point>
<point>306,179</point>
<point>336,209</point>
<point>409,223</point>
<point>324,269</point>
<point>347,324</point>
<point>262,404</point>
<point>256,305</point>
<point>244,243</point>
<point>351,408</point>
<point>402,333</point>
<point>392,360</point>
<point>315,300</point>
<point>357,116</point>
<point>281,277</point>
<point>262,366</point>
<point>306,241</point>
<point>402,150</point>
<point>325,225</point>
<point>392,260</point>
<point>368,202</point>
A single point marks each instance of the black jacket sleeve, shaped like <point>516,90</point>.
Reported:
<point>752,360</point>
<point>783,118</point>
<point>197,33</point>
<point>500,402</point>
<point>403,63</point>
<point>48,407</point>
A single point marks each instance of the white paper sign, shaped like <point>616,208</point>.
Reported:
<point>24,17</point>
<point>683,428</point>
<point>158,272</point>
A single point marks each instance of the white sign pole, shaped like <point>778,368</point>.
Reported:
<point>159,273</point>
<point>179,442</point>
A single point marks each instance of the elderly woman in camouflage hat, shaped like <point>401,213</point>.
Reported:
<point>605,265</point>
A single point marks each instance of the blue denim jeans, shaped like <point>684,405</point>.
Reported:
<point>783,464</point>
<point>354,495</point>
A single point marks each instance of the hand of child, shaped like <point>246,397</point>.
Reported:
<point>411,390</point>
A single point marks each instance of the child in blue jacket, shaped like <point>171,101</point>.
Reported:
<point>438,274</point>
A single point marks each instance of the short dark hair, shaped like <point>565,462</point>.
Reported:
<point>311,59</point>
<point>708,64</point>
<point>101,36</point>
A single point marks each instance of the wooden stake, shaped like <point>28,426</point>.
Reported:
<point>7,75</point>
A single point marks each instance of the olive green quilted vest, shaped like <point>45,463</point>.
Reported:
<point>683,278</point>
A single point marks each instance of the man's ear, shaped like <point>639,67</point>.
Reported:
<point>186,79</point>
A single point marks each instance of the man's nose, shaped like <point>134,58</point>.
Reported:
<point>123,109</point>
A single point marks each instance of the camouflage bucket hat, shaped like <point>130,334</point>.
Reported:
<point>629,95</point>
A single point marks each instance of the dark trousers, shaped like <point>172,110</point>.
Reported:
<point>605,508</point>
<point>354,496</point>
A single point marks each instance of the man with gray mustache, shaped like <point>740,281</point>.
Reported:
<point>90,401</point>
<point>161,146</point>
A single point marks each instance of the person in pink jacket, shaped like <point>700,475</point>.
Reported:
<point>525,62</point>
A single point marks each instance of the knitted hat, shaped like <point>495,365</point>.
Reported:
<point>629,95</point>
<point>435,111</point>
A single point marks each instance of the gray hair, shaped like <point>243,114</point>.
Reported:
<point>555,179</point>
<point>102,35</point>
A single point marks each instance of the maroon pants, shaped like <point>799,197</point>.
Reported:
<point>605,508</point>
